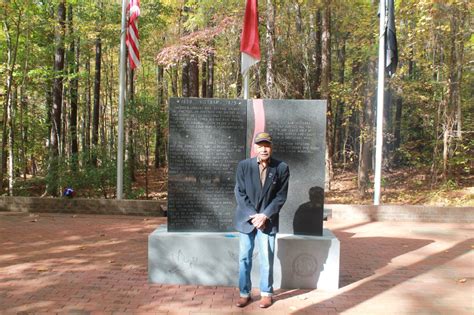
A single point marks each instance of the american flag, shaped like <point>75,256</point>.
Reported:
<point>132,34</point>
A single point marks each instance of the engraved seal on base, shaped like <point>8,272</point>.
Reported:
<point>305,265</point>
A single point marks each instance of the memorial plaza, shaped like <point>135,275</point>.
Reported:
<point>97,264</point>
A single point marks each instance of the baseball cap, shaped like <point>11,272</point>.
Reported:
<point>263,137</point>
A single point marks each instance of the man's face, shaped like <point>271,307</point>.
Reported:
<point>264,150</point>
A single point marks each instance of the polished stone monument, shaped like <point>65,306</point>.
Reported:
<point>207,139</point>
<point>298,128</point>
<point>206,142</point>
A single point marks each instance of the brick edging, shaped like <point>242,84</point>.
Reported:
<point>409,213</point>
<point>343,212</point>
<point>83,206</point>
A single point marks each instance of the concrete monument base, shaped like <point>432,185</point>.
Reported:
<point>205,258</point>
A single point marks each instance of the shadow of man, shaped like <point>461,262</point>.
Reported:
<point>308,218</point>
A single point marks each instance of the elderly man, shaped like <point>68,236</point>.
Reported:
<point>261,189</point>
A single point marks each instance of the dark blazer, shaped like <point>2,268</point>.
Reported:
<point>252,198</point>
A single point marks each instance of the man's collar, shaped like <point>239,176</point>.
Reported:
<point>268,161</point>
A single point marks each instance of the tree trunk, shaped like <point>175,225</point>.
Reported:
<point>366,133</point>
<point>24,122</point>
<point>64,115</point>
<point>325,93</point>
<point>49,110</point>
<point>103,118</point>
<point>130,139</point>
<point>105,141</point>
<point>452,111</point>
<point>11,140</point>
<point>348,143</point>
<point>270,43</point>
<point>185,89</point>
<point>258,88</point>
<point>7,109</point>
<point>88,112</point>
<point>204,79</point>
<point>112,135</point>
<point>460,32</point>
<point>338,143</point>
<point>174,80</point>
<point>3,166</point>
<point>103,109</point>
<point>387,127</point>
<point>159,133</point>
<point>446,144</point>
<point>194,77</point>
<point>238,83</point>
<point>352,130</point>
<point>210,76</point>
<point>398,122</point>
<point>299,20</point>
<point>74,54</point>
<point>52,186</point>
<point>363,180</point>
<point>147,159</point>
<point>302,85</point>
<point>316,36</point>
<point>24,111</point>
<point>96,111</point>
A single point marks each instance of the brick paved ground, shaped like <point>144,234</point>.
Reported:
<point>88,264</point>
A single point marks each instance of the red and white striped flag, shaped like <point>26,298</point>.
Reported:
<point>250,41</point>
<point>132,34</point>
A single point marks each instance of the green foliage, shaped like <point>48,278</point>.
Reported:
<point>435,41</point>
<point>463,156</point>
<point>88,180</point>
<point>30,187</point>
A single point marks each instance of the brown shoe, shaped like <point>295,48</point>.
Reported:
<point>243,301</point>
<point>266,301</point>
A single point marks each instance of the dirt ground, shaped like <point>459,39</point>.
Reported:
<point>404,186</point>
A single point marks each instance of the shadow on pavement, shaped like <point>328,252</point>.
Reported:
<point>369,289</point>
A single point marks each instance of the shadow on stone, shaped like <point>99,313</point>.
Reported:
<point>308,218</point>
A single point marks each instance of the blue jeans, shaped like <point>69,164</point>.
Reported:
<point>266,253</point>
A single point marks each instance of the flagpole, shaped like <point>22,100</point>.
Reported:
<point>246,85</point>
<point>122,96</point>
<point>380,105</point>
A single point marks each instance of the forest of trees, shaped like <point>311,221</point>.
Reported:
<point>59,83</point>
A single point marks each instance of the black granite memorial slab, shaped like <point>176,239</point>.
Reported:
<point>298,128</point>
<point>208,137</point>
<point>207,140</point>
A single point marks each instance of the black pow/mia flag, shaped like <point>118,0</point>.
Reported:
<point>391,50</point>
